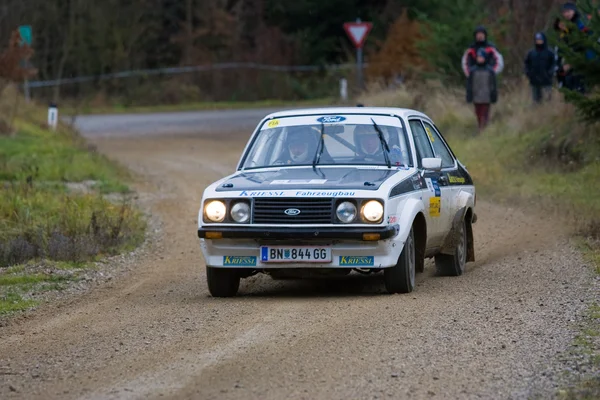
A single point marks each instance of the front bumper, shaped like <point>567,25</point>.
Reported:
<point>284,233</point>
<point>348,248</point>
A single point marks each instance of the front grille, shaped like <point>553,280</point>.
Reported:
<point>272,211</point>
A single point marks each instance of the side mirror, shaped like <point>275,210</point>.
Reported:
<point>432,164</point>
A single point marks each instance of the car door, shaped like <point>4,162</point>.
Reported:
<point>438,194</point>
<point>448,179</point>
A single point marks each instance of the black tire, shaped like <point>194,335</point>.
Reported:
<point>222,282</point>
<point>454,264</point>
<point>401,277</point>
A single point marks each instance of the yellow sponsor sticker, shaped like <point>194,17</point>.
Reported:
<point>456,179</point>
<point>435,206</point>
<point>273,123</point>
<point>428,130</point>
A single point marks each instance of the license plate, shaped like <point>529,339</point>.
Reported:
<point>305,254</point>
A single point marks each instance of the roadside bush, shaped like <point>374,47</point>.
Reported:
<point>43,223</point>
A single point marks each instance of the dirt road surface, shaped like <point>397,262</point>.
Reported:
<point>495,332</point>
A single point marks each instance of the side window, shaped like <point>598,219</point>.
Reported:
<point>422,144</point>
<point>438,145</point>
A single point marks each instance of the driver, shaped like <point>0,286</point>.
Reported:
<point>301,145</point>
<point>367,142</point>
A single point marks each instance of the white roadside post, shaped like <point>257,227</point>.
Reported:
<point>52,116</point>
<point>344,89</point>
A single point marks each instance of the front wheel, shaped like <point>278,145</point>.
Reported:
<point>222,282</point>
<point>401,277</point>
<point>454,264</point>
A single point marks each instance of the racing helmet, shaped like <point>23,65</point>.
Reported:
<point>300,140</point>
<point>367,140</point>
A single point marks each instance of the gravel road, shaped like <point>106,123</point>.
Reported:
<point>495,332</point>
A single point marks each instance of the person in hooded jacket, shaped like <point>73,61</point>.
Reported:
<point>539,68</point>
<point>493,57</point>
<point>482,88</point>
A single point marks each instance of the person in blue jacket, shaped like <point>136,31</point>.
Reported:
<point>539,68</point>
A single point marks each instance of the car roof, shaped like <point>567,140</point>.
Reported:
<point>401,112</point>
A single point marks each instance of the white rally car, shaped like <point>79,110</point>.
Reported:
<point>332,190</point>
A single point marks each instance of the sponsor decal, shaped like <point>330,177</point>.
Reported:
<point>240,261</point>
<point>260,193</point>
<point>299,193</point>
<point>436,188</point>
<point>456,179</point>
<point>302,193</point>
<point>433,186</point>
<point>435,206</point>
<point>273,123</point>
<point>298,182</point>
<point>357,261</point>
<point>331,119</point>
<point>416,181</point>
<point>292,212</point>
<point>392,219</point>
<point>428,130</point>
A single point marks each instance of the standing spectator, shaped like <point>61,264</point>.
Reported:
<point>481,88</point>
<point>539,68</point>
<point>493,57</point>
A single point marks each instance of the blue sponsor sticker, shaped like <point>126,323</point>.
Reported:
<point>357,261</point>
<point>331,119</point>
<point>436,188</point>
<point>240,261</point>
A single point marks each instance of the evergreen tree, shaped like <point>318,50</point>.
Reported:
<point>581,51</point>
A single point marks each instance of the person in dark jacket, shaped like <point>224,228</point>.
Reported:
<point>493,57</point>
<point>539,68</point>
<point>482,88</point>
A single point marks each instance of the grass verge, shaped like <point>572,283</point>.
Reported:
<point>201,106</point>
<point>55,212</point>
<point>534,155</point>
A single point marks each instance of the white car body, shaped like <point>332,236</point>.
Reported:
<point>429,202</point>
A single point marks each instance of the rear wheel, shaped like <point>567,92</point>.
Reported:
<point>454,264</point>
<point>401,277</point>
<point>222,282</point>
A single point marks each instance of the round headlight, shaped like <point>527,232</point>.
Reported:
<point>346,212</point>
<point>372,211</point>
<point>215,211</point>
<point>240,212</point>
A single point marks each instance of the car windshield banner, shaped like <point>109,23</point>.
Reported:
<point>333,119</point>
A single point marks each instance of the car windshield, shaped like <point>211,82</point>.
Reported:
<point>347,140</point>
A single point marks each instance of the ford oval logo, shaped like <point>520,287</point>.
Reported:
<point>292,211</point>
<point>331,119</point>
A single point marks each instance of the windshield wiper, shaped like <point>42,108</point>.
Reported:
<point>320,147</point>
<point>384,145</point>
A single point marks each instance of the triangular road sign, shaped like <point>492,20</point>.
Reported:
<point>357,32</point>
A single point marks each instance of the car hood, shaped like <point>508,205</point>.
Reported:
<point>320,178</point>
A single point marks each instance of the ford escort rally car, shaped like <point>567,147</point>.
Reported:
<point>335,190</point>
